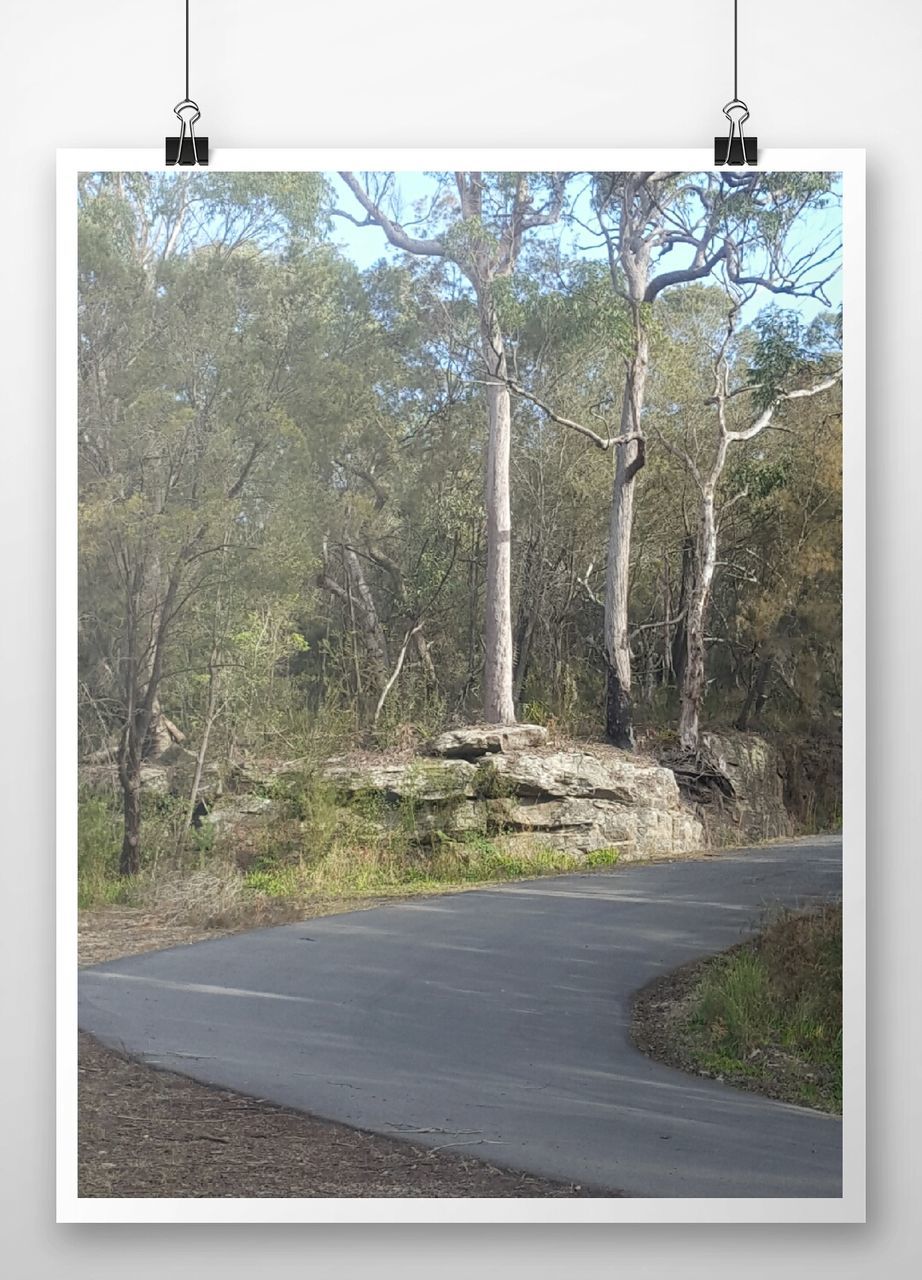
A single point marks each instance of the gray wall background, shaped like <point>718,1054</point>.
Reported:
<point>285,73</point>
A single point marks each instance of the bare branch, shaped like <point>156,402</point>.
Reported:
<point>601,442</point>
<point>394,232</point>
<point>660,622</point>
<point>767,413</point>
<point>683,275</point>
<point>395,673</point>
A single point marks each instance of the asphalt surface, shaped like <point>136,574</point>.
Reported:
<point>494,1023</point>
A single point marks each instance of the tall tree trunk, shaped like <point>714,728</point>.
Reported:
<point>372,630</point>
<point>693,683</point>
<point>498,702</point>
<point>130,858</point>
<point>629,458</point>
<point>129,772</point>
<point>680,639</point>
<point>755,694</point>
<point>142,662</point>
<point>530,605</point>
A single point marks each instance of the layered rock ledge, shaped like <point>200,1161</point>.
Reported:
<point>511,785</point>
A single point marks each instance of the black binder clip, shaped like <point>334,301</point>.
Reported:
<point>736,148</point>
<point>187,149</point>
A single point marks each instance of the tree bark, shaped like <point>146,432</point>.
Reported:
<point>755,694</point>
<point>629,458</point>
<point>130,858</point>
<point>694,680</point>
<point>498,702</point>
<point>680,638</point>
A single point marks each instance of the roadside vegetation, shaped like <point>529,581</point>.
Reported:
<point>311,853</point>
<point>287,545</point>
<point>765,1016</point>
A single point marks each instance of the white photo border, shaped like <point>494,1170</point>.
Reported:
<point>851,1206</point>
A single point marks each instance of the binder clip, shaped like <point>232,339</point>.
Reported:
<point>736,148</point>
<point>187,149</point>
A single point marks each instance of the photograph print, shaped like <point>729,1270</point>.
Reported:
<point>459,684</point>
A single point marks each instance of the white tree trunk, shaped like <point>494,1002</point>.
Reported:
<point>498,703</point>
<point>694,680</point>
<point>629,458</point>
<point>372,630</point>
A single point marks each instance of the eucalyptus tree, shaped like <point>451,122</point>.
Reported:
<point>565,334</point>
<point>388,437</point>
<point>480,228</point>
<point>181,401</point>
<point>660,231</point>
<point>740,410</point>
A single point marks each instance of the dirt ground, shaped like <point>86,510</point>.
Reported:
<point>152,1133</point>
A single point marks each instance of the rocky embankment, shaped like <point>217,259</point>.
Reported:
<point>515,787</point>
<point>511,785</point>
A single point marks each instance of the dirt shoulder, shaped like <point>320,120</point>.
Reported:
<point>152,1133</point>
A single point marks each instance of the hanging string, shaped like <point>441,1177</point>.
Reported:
<point>187,149</point>
<point>735,50</point>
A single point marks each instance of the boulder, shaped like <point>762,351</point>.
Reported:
<point>576,801</point>
<point>609,775</point>
<point>477,740</point>
<point>583,826</point>
<point>233,808</point>
<point>755,770</point>
<point>170,773</point>
<point>418,779</point>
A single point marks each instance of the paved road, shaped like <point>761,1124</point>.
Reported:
<point>496,1021</point>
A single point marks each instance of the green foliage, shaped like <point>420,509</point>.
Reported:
<point>783,995</point>
<point>781,350</point>
<point>99,840</point>
<point>297,446</point>
<point>381,869</point>
<point>602,857</point>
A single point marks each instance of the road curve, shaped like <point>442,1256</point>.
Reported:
<point>494,1022</point>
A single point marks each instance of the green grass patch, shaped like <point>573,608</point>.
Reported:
<point>770,1012</point>
<point>314,848</point>
<point>379,868</point>
<point>99,842</point>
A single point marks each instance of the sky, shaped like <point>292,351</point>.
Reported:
<point>366,245</point>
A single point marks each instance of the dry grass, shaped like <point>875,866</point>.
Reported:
<point>213,896</point>
<point>106,933</point>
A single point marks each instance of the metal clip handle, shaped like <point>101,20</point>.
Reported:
<point>187,149</point>
<point>736,148</point>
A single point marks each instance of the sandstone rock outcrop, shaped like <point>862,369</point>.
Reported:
<point>509,785</point>
<point>574,800</point>
<point>755,770</point>
<point>477,740</point>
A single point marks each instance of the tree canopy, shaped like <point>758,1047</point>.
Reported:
<point>284,536</point>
